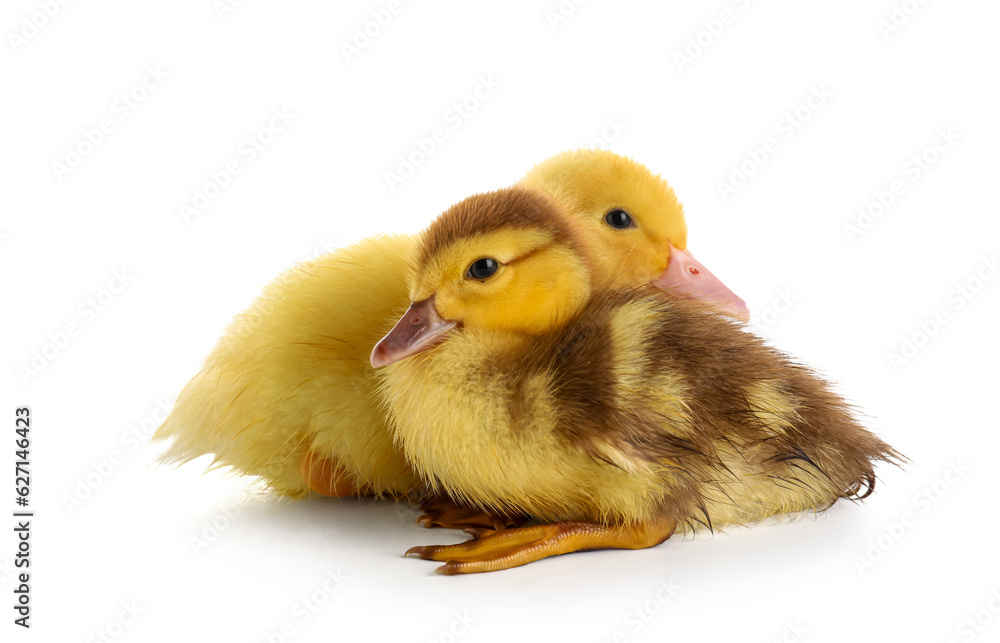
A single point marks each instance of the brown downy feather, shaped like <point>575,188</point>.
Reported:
<point>738,400</point>
<point>504,209</point>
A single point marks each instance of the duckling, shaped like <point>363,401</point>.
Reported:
<point>516,383</point>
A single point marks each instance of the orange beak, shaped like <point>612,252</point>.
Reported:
<point>686,277</point>
<point>420,328</point>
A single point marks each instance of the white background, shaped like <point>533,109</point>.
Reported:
<point>912,563</point>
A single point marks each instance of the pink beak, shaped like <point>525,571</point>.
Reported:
<point>420,328</point>
<point>686,277</point>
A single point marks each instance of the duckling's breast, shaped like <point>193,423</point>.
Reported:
<point>495,427</point>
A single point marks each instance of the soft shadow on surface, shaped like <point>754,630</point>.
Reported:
<point>274,555</point>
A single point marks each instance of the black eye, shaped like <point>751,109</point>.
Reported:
<point>619,219</point>
<point>483,268</point>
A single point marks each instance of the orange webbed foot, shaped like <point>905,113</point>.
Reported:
<point>326,477</point>
<point>496,550</point>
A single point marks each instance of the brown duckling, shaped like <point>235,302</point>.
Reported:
<point>614,417</point>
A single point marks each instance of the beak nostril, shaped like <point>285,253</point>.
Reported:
<point>418,329</point>
<point>694,271</point>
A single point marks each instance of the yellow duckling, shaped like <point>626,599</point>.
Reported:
<point>288,394</point>
<point>516,385</point>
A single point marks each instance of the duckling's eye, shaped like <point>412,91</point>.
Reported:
<point>483,268</point>
<point>619,219</point>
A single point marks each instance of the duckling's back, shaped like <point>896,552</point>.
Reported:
<point>292,373</point>
<point>761,433</point>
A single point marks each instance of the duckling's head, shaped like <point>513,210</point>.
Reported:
<point>635,218</point>
<point>508,263</point>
